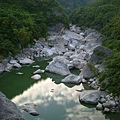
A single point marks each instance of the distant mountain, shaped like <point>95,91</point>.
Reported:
<point>74,3</point>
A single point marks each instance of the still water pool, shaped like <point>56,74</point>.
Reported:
<point>54,100</point>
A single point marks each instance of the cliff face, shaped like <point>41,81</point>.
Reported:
<point>8,110</point>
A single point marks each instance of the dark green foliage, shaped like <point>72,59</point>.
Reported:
<point>112,74</point>
<point>74,3</point>
<point>104,15</point>
<point>23,20</point>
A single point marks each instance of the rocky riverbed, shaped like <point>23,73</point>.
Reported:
<point>75,48</point>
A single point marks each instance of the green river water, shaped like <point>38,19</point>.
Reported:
<point>54,100</point>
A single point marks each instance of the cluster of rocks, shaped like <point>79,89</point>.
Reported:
<point>7,64</point>
<point>108,103</point>
<point>102,100</point>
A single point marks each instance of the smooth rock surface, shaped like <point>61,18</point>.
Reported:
<point>58,67</point>
<point>26,61</point>
<point>36,77</point>
<point>72,79</point>
<point>90,96</point>
<point>89,71</point>
<point>8,110</point>
<point>39,71</point>
<point>99,106</point>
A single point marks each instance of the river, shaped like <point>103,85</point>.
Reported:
<point>54,100</point>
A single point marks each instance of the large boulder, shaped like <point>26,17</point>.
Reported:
<point>72,79</point>
<point>26,61</point>
<point>90,96</point>
<point>17,65</point>
<point>8,110</point>
<point>89,71</point>
<point>36,77</point>
<point>47,52</point>
<point>73,35</point>
<point>58,67</point>
<point>60,48</point>
<point>8,67</point>
<point>99,55</point>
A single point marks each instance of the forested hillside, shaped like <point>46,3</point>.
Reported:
<point>23,20</point>
<point>74,3</point>
<point>104,15</point>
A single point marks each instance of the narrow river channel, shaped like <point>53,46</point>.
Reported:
<point>54,100</point>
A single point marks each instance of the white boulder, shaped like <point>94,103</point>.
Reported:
<point>90,96</point>
<point>36,77</point>
<point>58,67</point>
<point>26,61</point>
<point>72,79</point>
<point>39,71</point>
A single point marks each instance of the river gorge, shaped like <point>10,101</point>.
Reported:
<point>62,55</point>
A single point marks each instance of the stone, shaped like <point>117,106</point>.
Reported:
<point>94,85</point>
<point>39,71</point>
<point>102,100</point>
<point>8,67</point>
<point>8,110</point>
<point>90,96</point>
<point>106,110</point>
<point>84,81</point>
<point>36,66</point>
<point>36,77</point>
<point>72,79</point>
<point>71,47</point>
<point>99,106</point>
<point>78,64</point>
<point>99,55</point>
<point>30,108</point>
<point>47,52</point>
<point>13,61</point>
<point>60,48</point>
<point>17,65</point>
<point>107,104</point>
<point>58,67</point>
<point>19,73</point>
<point>112,103</point>
<point>89,71</point>
<point>26,61</point>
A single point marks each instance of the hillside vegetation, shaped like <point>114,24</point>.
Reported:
<point>104,15</point>
<point>23,20</point>
<point>74,3</point>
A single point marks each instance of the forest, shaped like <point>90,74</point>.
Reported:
<point>72,4</point>
<point>22,21</point>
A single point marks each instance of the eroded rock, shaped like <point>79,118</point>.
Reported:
<point>8,110</point>
<point>90,96</point>
<point>72,79</point>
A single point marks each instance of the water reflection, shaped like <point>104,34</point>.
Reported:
<point>56,102</point>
